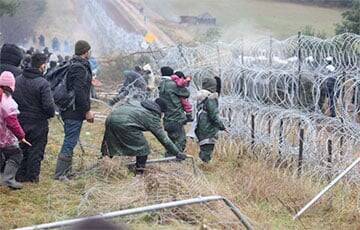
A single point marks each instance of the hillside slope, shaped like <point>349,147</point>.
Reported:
<point>252,18</point>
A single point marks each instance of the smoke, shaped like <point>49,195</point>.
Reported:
<point>108,36</point>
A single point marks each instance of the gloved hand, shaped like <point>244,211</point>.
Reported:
<point>181,156</point>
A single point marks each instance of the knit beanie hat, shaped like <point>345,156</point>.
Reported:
<point>166,71</point>
<point>180,74</point>
<point>209,84</point>
<point>81,47</point>
<point>11,54</point>
<point>7,79</point>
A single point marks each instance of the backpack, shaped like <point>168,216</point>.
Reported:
<point>63,97</point>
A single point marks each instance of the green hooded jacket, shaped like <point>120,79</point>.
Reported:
<point>125,126</point>
<point>169,92</point>
<point>208,120</point>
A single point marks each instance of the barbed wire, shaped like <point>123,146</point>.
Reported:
<point>282,87</point>
<point>271,103</point>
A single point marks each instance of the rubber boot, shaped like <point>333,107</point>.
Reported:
<point>140,164</point>
<point>8,178</point>
<point>2,165</point>
<point>63,169</point>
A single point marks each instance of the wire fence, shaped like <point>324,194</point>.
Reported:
<point>270,104</point>
<point>296,99</point>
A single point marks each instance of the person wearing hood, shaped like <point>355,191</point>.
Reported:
<point>10,59</point>
<point>36,105</point>
<point>125,126</point>
<point>79,80</point>
<point>11,133</point>
<point>207,121</point>
<point>175,117</point>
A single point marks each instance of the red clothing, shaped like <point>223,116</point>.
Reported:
<point>10,129</point>
<point>182,82</point>
<point>1,93</point>
<point>186,105</point>
<point>12,123</point>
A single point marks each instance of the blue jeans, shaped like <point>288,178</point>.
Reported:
<point>72,130</point>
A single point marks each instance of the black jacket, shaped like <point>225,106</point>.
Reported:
<point>34,97</point>
<point>11,68</point>
<point>79,80</point>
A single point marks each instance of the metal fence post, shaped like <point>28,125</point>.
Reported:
<point>252,129</point>
<point>281,136</point>
<point>329,160</point>
<point>301,149</point>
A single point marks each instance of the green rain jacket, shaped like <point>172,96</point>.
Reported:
<point>125,126</point>
<point>169,92</point>
<point>208,120</point>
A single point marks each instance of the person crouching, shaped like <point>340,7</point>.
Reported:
<point>124,131</point>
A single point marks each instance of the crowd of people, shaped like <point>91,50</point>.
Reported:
<point>28,99</point>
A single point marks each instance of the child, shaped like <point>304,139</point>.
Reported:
<point>10,133</point>
<point>182,81</point>
<point>208,122</point>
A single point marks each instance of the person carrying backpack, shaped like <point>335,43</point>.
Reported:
<point>36,106</point>
<point>78,81</point>
<point>207,121</point>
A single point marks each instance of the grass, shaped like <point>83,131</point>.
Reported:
<point>251,18</point>
<point>267,195</point>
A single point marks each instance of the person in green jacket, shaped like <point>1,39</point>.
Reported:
<point>207,121</point>
<point>124,129</point>
<point>175,117</point>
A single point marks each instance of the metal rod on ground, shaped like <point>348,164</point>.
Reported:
<point>318,196</point>
<point>59,224</point>
<point>153,161</point>
<point>237,212</point>
<point>168,159</point>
